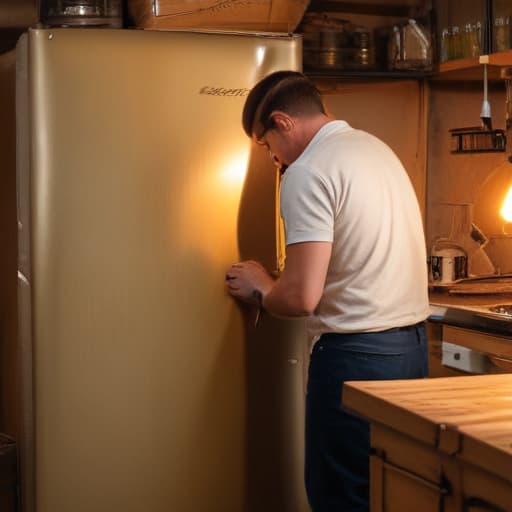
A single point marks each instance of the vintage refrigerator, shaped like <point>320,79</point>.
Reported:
<point>144,387</point>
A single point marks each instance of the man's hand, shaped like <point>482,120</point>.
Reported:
<point>248,281</point>
<point>296,292</point>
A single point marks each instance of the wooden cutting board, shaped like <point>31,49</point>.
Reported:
<point>495,285</point>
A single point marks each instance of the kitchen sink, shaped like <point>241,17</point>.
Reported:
<point>502,309</point>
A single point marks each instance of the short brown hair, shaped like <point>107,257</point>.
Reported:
<point>288,91</point>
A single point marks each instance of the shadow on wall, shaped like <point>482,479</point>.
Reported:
<point>275,362</point>
<point>393,112</point>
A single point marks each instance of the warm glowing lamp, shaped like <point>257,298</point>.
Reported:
<point>506,207</point>
<point>493,202</point>
<point>492,213</point>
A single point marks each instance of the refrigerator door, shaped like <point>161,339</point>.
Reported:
<point>152,390</point>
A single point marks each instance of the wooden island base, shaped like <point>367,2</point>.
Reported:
<point>440,444</point>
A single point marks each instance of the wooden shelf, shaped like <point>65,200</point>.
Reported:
<point>472,68</point>
<point>370,74</point>
<point>401,9</point>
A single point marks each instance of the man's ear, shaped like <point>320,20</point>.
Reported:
<point>282,121</point>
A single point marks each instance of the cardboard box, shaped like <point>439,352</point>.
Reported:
<point>245,15</point>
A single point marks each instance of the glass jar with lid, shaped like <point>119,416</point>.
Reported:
<point>82,13</point>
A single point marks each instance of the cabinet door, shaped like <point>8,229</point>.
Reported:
<point>450,348</point>
<point>485,492</point>
<point>394,489</point>
<point>493,353</point>
<point>435,353</point>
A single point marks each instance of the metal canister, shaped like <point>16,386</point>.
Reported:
<point>448,263</point>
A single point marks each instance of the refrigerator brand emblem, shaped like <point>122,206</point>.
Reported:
<point>222,91</point>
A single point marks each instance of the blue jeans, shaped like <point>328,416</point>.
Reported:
<point>338,442</point>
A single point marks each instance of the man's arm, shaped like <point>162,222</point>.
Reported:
<point>296,292</point>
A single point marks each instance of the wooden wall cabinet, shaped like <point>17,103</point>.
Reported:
<point>449,14</point>
<point>437,15</point>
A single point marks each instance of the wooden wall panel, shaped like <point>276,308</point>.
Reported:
<point>455,179</point>
<point>18,13</point>
<point>394,111</point>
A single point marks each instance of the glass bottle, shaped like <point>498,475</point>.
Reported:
<point>446,36</point>
<point>456,43</point>
<point>471,44</point>
<point>501,34</point>
<point>508,33</point>
<point>479,35</point>
<point>394,49</point>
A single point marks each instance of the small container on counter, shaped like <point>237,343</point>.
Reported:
<point>448,262</point>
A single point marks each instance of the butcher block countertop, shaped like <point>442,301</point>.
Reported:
<point>469,418</point>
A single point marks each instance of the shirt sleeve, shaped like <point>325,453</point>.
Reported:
<point>306,207</point>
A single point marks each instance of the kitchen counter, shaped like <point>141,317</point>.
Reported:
<point>471,311</point>
<point>443,443</point>
<point>466,337</point>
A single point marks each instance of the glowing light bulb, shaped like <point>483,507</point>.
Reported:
<point>506,208</point>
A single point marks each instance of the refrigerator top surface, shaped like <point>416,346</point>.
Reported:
<point>163,32</point>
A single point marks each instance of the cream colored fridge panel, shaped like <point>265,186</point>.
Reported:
<point>138,161</point>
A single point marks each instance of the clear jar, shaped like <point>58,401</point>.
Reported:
<point>82,13</point>
<point>364,53</point>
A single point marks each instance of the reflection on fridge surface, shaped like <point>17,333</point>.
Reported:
<point>144,385</point>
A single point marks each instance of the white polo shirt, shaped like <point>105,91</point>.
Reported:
<point>349,188</point>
